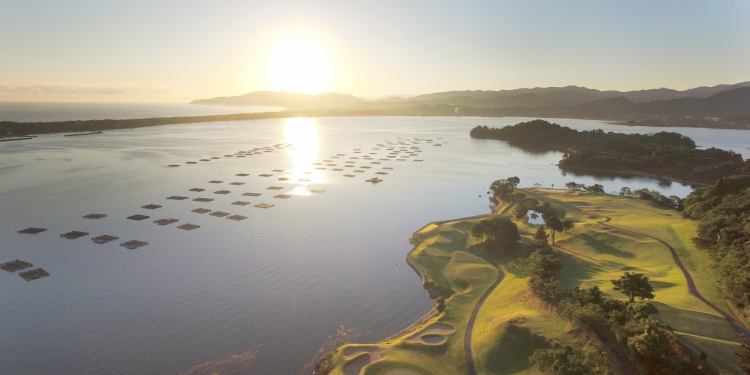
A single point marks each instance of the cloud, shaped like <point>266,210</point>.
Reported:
<point>81,90</point>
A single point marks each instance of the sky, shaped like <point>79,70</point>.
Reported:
<point>176,51</point>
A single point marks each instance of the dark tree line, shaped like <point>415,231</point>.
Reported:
<point>628,327</point>
<point>664,154</point>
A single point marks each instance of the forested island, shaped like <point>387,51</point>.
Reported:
<point>663,154</point>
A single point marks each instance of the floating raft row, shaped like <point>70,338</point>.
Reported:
<point>15,265</point>
<point>374,180</point>
<point>74,234</point>
<point>237,217</point>
<point>201,210</point>
<point>282,196</point>
<point>138,217</point>
<point>252,194</point>
<point>189,226</point>
<point>219,213</point>
<point>177,198</point>
<point>240,203</point>
<point>197,189</point>
<point>222,192</point>
<point>165,221</point>
<point>203,199</point>
<point>104,238</point>
<point>151,206</point>
<point>32,230</point>
<point>133,244</point>
<point>34,274</point>
<point>95,216</point>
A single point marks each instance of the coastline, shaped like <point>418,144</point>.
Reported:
<point>9,129</point>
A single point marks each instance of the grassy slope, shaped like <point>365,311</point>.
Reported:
<point>593,255</point>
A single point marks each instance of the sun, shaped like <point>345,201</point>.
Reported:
<point>300,65</point>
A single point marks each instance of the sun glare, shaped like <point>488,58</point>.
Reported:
<point>300,65</point>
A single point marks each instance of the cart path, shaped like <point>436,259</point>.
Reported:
<point>692,289</point>
<point>468,352</point>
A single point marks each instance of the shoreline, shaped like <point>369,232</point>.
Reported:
<point>11,129</point>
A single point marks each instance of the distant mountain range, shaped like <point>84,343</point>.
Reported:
<point>291,100</point>
<point>707,103</point>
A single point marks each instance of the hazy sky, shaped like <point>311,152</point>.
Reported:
<point>180,50</point>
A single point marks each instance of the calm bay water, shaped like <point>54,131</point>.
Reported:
<point>32,111</point>
<point>281,281</point>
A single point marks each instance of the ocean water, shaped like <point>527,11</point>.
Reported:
<point>32,111</point>
<point>280,282</point>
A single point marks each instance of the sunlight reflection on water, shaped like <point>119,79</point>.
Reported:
<point>302,133</point>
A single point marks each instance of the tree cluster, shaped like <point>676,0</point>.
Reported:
<point>629,327</point>
<point>723,214</point>
<point>664,153</point>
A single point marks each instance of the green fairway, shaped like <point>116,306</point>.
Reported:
<point>512,322</point>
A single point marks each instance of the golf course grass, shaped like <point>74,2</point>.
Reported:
<point>611,235</point>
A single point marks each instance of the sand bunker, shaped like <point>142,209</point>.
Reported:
<point>74,234</point>
<point>15,265</point>
<point>264,205</point>
<point>354,367</point>
<point>34,274</point>
<point>433,335</point>
<point>95,216</point>
<point>32,230</point>
<point>137,217</point>
<point>201,210</point>
<point>104,238</point>
<point>151,206</point>
<point>133,244</point>
<point>189,226</point>
<point>165,221</point>
<point>237,217</point>
<point>400,371</point>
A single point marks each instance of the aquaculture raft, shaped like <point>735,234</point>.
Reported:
<point>32,230</point>
<point>34,274</point>
<point>104,238</point>
<point>15,265</point>
<point>133,244</point>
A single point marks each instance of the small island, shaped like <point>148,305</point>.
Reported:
<point>663,154</point>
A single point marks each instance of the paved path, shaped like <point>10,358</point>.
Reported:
<point>468,352</point>
<point>692,289</point>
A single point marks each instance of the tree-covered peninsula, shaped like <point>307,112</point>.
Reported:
<point>662,154</point>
